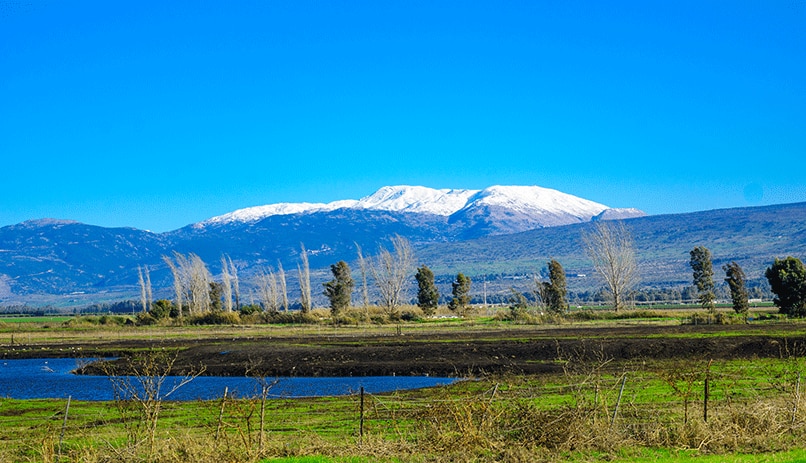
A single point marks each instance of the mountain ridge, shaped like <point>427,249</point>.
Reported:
<point>61,258</point>
<point>444,202</point>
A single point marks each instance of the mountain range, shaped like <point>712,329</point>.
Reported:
<point>497,230</point>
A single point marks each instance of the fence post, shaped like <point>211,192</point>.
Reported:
<point>618,402</point>
<point>797,400</point>
<point>221,413</point>
<point>706,392</point>
<point>361,420</point>
<point>64,425</point>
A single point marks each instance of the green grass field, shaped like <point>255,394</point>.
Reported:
<point>646,410</point>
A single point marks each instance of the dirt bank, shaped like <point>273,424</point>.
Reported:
<point>446,353</point>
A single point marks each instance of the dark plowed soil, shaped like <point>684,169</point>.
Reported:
<point>464,353</point>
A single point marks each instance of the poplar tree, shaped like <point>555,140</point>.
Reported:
<point>734,276</point>
<point>427,293</point>
<point>461,294</point>
<point>556,290</point>
<point>703,271</point>
<point>304,273</point>
<point>339,290</point>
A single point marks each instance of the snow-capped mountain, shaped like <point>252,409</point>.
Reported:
<point>68,257</point>
<point>554,207</point>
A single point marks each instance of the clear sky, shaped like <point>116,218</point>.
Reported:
<point>157,114</point>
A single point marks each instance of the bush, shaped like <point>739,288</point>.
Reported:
<point>115,320</point>
<point>351,317</point>
<point>289,318</point>
<point>720,318</point>
<point>216,318</point>
<point>410,316</point>
<point>145,319</point>
<point>162,308</point>
<point>250,309</point>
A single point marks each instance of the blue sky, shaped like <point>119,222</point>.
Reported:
<point>159,114</point>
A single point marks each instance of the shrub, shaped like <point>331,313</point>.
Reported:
<point>249,309</point>
<point>288,318</point>
<point>115,320</point>
<point>719,318</point>
<point>216,318</point>
<point>410,316</point>
<point>351,317</point>
<point>145,319</point>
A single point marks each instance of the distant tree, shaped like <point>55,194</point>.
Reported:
<point>191,281</point>
<point>339,290</point>
<point>703,271</point>
<point>200,280</point>
<point>787,280</point>
<point>236,285</point>
<point>267,291</point>
<point>689,293</point>
<point>555,291</point>
<point>461,294</point>
<point>539,290</point>
<point>362,265</point>
<point>283,286</point>
<point>390,272</point>
<point>734,276</point>
<point>610,247</point>
<point>144,278</point>
<point>178,282</point>
<point>517,304</point>
<point>226,284</point>
<point>216,291</point>
<point>161,309</point>
<point>427,293</point>
<point>304,273</point>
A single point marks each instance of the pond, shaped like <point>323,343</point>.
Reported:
<point>52,379</point>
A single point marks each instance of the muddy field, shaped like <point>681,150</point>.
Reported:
<point>444,353</point>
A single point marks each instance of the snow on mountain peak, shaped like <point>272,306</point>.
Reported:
<point>536,199</point>
<point>253,214</point>
<point>416,199</point>
<point>445,202</point>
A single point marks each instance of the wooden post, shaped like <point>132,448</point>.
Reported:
<point>797,400</point>
<point>707,392</point>
<point>64,425</point>
<point>618,402</point>
<point>221,413</point>
<point>361,420</point>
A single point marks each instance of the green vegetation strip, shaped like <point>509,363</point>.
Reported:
<point>583,414</point>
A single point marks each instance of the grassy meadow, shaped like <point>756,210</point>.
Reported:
<point>595,408</point>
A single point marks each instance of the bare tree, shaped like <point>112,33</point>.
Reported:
<point>191,281</point>
<point>610,246</point>
<point>149,292</point>
<point>141,388</point>
<point>226,284</point>
<point>144,279</point>
<point>267,290</point>
<point>236,287</point>
<point>200,280</point>
<point>391,270</point>
<point>304,280</point>
<point>283,286</point>
<point>179,288</point>
<point>539,290</point>
<point>362,264</point>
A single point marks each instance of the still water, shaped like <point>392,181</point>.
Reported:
<point>51,379</point>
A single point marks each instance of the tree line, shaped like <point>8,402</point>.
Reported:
<point>608,244</point>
